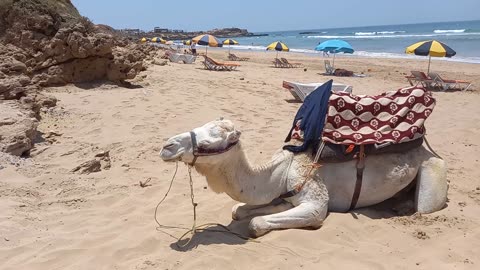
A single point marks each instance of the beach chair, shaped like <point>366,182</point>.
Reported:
<point>290,64</point>
<point>212,64</point>
<point>329,70</point>
<point>174,57</point>
<point>233,57</point>
<point>446,84</point>
<point>418,77</point>
<point>301,90</point>
<point>189,59</point>
<point>279,64</point>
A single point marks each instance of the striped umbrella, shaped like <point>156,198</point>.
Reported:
<point>159,40</point>
<point>431,48</point>
<point>230,42</point>
<point>207,41</point>
<point>277,46</point>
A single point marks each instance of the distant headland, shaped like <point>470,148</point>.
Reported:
<point>172,34</point>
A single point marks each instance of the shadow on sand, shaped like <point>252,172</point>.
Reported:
<point>215,234</point>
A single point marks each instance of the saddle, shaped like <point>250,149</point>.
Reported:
<point>333,153</point>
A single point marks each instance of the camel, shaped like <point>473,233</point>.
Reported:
<point>216,152</point>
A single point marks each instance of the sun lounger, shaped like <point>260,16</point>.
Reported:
<point>446,84</point>
<point>279,64</point>
<point>300,90</point>
<point>418,77</point>
<point>212,64</point>
<point>233,57</point>
<point>185,58</point>
<point>290,64</point>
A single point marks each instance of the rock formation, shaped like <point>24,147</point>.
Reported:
<point>48,43</point>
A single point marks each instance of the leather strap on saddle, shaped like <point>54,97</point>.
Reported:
<point>358,183</point>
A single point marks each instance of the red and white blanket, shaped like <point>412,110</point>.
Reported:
<point>395,116</point>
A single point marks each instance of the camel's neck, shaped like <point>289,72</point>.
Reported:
<point>235,176</point>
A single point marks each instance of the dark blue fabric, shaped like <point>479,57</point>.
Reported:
<point>312,113</point>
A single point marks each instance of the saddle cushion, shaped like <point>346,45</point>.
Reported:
<point>395,116</point>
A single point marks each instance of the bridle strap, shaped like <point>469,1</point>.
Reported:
<point>194,147</point>
<point>198,152</point>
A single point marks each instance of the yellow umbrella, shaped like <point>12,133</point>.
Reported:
<point>187,42</point>
<point>431,48</point>
<point>159,40</point>
<point>278,46</point>
<point>143,40</point>
<point>230,42</point>
<point>207,40</point>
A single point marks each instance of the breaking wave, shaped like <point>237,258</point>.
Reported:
<point>449,31</point>
<point>378,33</point>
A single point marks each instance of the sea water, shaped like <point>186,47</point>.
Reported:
<point>387,41</point>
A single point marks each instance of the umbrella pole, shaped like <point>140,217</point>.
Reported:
<point>333,64</point>
<point>277,55</point>
<point>429,58</point>
<point>206,50</point>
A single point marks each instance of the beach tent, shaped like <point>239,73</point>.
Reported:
<point>431,48</point>
<point>278,46</point>
<point>335,46</point>
<point>207,41</point>
<point>230,42</point>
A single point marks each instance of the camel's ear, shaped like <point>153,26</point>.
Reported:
<point>234,136</point>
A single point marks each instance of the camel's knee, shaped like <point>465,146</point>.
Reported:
<point>432,186</point>
<point>239,211</point>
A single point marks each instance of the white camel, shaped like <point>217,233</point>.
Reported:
<point>215,151</point>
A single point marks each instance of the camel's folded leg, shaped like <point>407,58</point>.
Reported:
<point>432,186</point>
<point>241,210</point>
<point>306,214</point>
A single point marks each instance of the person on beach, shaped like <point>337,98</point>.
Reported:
<point>193,48</point>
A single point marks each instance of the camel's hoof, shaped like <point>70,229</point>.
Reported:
<point>257,227</point>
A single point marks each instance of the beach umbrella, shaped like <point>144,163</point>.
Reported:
<point>159,40</point>
<point>431,48</point>
<point>207,41</point>
<point>335,46</point>
<point>277,46</point>
<point>143,40</point>
<point>187,42</point>
<point>230,42</point>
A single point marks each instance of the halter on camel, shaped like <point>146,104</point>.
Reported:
<point>199,152</point>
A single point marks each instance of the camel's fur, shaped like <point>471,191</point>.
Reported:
<point>330,189</point>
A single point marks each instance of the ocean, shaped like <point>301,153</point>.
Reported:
<point>387,41</point>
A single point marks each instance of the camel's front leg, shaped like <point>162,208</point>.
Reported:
<point>241,210</point>
<point>306,214</point>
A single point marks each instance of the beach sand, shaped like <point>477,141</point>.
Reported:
<point>53,218</point>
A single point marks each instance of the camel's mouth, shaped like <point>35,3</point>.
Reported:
<point>169,153</point>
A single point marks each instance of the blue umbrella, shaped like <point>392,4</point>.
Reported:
<point>334,46</point>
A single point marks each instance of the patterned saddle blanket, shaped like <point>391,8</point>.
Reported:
<point>395,117</point>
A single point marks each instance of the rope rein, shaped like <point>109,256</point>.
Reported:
<point>194,229</point>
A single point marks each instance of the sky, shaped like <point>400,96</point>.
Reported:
<point>279,15</point>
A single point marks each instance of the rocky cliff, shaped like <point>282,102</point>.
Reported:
<point>45,43</point>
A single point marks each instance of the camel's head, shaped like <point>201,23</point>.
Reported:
<point>212,138</point>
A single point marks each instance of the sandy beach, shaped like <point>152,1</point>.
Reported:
<point>54,218</point>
